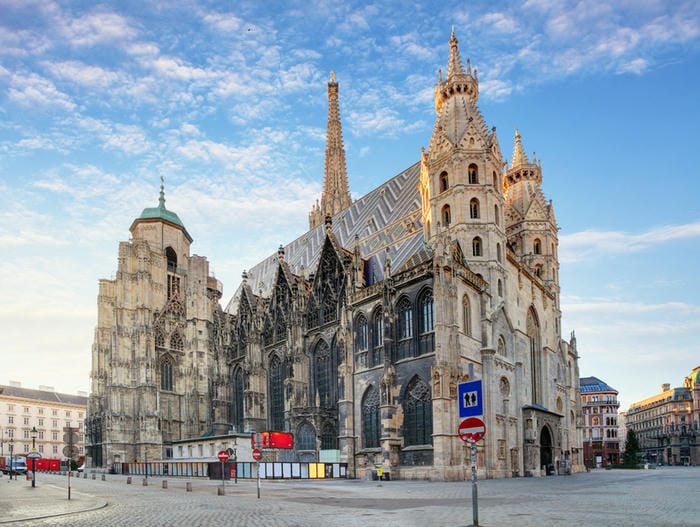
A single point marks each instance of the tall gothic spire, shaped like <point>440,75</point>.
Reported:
<point>519,155</point>
<point>336,195</point>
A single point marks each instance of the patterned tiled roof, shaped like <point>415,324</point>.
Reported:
<point>43,395</point>
<point>386,218</point>
<point>594,384</point>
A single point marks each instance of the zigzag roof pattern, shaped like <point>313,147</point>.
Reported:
<point>386,221</point>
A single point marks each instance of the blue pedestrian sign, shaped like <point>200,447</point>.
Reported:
<point>470,399</point>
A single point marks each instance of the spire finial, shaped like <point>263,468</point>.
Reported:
<point>161,198</point>
<point>454,66</point>
<point>332,76</point>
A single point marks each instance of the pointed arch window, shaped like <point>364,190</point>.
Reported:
<point>405,323</point>
<point>324,375</point>
<point>538,270</point>
<point>171,257</point>
<point>537,246</point>
<point>496,215</point>
<point>533,333</point>
<point>466,315</point>
<point>166,374</point>
<point>418,413</point>
<point>237,401</point>
<point>371,421</point>
<point>276,393</point>
<point>280,324</point>
<point>476,246</point>
<point>446,215</point>
<point>502,346</point>
<point>499,256</point>
<point>377,338</point>
<point>474,208</point>
<point>330,306</point>
<point>426,311</point>
<point>473,172</point>
<point>444,182</point>
<point>306,437</point>
<point>160,339</point>
<point>500,287</point>
<point>495,179</point>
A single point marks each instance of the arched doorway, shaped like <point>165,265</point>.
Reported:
<point>546,449</point>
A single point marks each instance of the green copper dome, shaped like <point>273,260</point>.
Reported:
<point>161,213</point>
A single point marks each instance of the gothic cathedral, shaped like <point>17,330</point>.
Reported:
<point>356,335</point>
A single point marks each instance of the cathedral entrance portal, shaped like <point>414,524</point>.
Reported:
<point>546,450</point>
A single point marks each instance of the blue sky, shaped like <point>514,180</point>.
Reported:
<point>227,101</point>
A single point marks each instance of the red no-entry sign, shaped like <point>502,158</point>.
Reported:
<point>222,455</point>
<point>257,454</point>
<point>471,430</point>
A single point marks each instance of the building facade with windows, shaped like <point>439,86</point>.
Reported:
<point>668,424</point>
<point>601,442</point>
<point>48,412</point>
<point>356,335</point>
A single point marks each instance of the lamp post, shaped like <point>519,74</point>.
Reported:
<point>12,457</point>
<point>33,458</point>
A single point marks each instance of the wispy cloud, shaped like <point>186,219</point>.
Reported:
<point>585,244</point>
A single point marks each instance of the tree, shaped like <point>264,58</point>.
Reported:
<point>632,450</point>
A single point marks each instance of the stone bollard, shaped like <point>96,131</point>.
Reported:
<point>188,486</point>
<point>104,478</point>
<point>93,476</point>
<point>128,480</point>
<point>165,483</point>
<point>219,491</point>
<point>145,482</point>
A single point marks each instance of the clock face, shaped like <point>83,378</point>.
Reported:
<point>504,386</point>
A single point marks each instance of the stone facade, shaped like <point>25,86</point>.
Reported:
<point>356,335</point>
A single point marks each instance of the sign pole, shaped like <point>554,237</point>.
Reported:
<point>475,490</point>
<point>223,479</point>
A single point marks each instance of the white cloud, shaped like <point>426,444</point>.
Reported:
<point>33,90</point>
<point>589,243</point>
<point>97,28</point>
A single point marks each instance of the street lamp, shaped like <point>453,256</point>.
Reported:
<point>12,458</point>
<point>33,459</point>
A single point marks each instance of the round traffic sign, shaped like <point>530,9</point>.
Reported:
<point>471,430</point>
<point>222,455</point>
<point>257,454</point>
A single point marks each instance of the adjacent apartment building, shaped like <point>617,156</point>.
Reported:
<point>45,414</point>
<point>601,444</point>
<point>667,423</point>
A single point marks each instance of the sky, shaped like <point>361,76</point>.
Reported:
<point>227,102</point>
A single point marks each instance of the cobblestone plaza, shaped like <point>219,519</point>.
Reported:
<point>663,497</point>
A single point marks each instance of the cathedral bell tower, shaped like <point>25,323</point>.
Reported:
<point>532,227</point>
<point>461,189</point>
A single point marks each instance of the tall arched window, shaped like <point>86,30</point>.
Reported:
<point>171,257</point>
<point>476,246</point>
<point>533,333</point>
<point>444,182</point>
<point>499,256</point>
<point>427,321</point>
<point>418,414</point>
<point>377,338</point>
<point>160,339</point>
<point>466,315</point>
<point>502,345</point>
<point>405,333</point>
<point>496,215</point>
<point>537,246</point>
<point>473,172</point>
<point>330,306</point>
<point>474,208</point>
<point>237,401</point>
<point>495,179</point>
<point>500,287</point>
<point>324,375</point>
<point>306,437</point>
<point>276,393</point>
<point>166,374</point>
<point>446,216</point>
<point>371,420</point>
<point>538,270</point>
